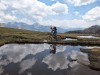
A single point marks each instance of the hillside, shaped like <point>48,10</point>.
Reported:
<point>20,32</point>
<point>18,35</point>
<point>91,30</point>
<point>12,35</point>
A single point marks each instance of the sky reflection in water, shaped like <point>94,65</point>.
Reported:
<point>36,59</point>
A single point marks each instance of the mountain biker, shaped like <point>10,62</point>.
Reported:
<point>54,31</point>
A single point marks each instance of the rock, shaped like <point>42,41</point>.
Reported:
<point>94,57</point>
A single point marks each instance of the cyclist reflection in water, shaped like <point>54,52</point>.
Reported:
<point>53,48</point>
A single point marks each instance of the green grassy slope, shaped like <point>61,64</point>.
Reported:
<point>11,35</point>
<point>18,35</point>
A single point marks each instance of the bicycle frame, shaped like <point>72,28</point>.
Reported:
<point>54,37</point>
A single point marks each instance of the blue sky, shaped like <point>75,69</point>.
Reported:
<point>60,13</point>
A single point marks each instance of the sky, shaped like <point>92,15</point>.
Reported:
<point>60,13</point>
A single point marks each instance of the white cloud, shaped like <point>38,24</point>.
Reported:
<point>76,13</point>
<point>29,10</point>
<point>9,17</point>
<point>2,13</point>
<point>60,8</point>
<point>2,6</point>
<point>80,2</point>
<point>76,23</point>
<point>26,9</point>
<point>92,14</point>
<point>52,0</point>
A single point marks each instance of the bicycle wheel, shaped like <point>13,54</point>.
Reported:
<point>59,38</point>
<point>50,38</point>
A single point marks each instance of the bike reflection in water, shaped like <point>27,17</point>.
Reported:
<point>53,48</point>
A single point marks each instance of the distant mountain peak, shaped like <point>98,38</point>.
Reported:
<point>36,23</point>
<point>95,29</point>
<point>94,26</point>
<point>16,23</point>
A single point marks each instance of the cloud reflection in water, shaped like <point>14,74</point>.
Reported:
<point>63,60</point>
<point>14,53</point>
<point>26,64</point>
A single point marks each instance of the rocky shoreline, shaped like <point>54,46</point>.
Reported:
<point>94,57</point>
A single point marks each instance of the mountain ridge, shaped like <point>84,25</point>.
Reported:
<point>34,27</point>
<point>94,29</point>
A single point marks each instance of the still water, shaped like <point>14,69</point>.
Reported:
<point>44,59</point>
<point>89,37</point>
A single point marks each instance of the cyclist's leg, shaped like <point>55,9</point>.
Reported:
<point>55,37</point>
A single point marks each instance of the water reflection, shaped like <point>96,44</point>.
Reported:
<point>65,59</point>
<point>26,64</point>
<point>43,59</point>
<point>14,53</point>
<point>52,48</point>
<point>88,37</point>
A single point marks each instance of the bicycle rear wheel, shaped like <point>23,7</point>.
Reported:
<point>50,38</point>
<point>59,38</point>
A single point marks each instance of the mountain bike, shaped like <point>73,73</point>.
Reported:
<point>54,38</point>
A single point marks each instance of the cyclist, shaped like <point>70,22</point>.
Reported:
<point>54,32</point>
